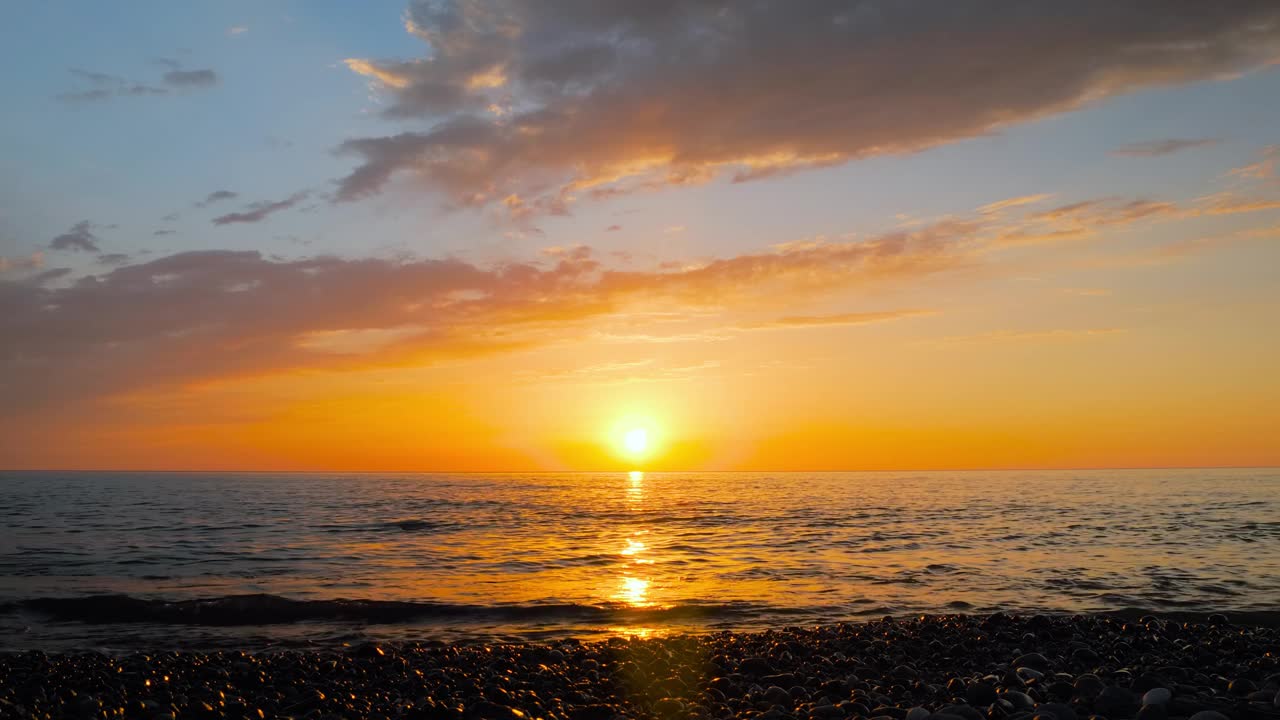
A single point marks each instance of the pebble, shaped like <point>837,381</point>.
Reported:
<point>1157,696</point>
<point>1057,710</point>
<point>1116,702</point>
<point>932,668</point>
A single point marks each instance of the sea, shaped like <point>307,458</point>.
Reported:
<point>114,561</point>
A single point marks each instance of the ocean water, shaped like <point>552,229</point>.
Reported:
<point>121,560</point>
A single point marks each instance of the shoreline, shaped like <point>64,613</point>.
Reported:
<point>948,667</point>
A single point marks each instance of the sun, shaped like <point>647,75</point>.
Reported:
<point>636,441</point>
<point>635,438</point>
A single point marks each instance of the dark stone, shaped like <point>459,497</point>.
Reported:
<point>1241,686</point>
<point>980,693</point>
<point>1035,661</point>
<point>1019,700</point>
<point>756,666</point>
<point>1152,712</point>
<point>1157,696</point>
<point>1058,710</point>
<point>1116,702</point>
<point>965,711</point>
<point>1088,686</point>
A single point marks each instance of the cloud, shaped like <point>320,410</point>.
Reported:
<point>198,316</point>
<point>260,210</point>
<point>163,232</point>
<point>191,78</point>
<point>1156,148</point>
<point>79,238</point>
<point>816,321</point>
<point>113,259</point>
<point>613,228</point>
<point>556,100</point>
<point>217,196</point>
<point>236,30</point>
<point>1229,203</point>
<point>1263,169</point>
<point>1013,202</point>
<point>1083,219</point>
<point>106,86</point>
<point>1035,335</point>
<point>34,261</point>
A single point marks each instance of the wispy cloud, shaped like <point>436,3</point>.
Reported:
<point>1156,148</point>
<point>80,238</point>
<point>191,78</point>
<point>105,86</point>
<point>259,211</point>
<point>237,30</point>
<point>217,196</point>
<point>821,321</point>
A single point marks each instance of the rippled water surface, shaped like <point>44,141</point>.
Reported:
<point>583,554</point>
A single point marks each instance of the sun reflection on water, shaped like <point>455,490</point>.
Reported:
<point>634,592</point>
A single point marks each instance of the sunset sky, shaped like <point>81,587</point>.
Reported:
<point>500,235</point>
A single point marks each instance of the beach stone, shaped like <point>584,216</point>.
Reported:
<point>756,666</point>
<point>1035,661</point>
<point>1276,701</point>
<point>980,693</point>
<point>1116,702</point>
<point>940,715</point>
<point>963,711</point>
<point>1089,686</point>
<point>1084,656</point>
<point>1152,712</point>
<point>917,713</point>
<point>1241,686</point>
<point>1061,689</point>
<point>596,711</point>
<point>668,707</point>
<point>1209,715</point>
<point>1157,696</point>
<point>826,712</point>
<point>1029,676</point>
<point>775,694</point>
<point>1019,700</point>
<point>1060,711</point>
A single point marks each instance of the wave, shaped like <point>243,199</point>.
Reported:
<point>275,610</point>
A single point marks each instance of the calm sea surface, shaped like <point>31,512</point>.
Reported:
<point>117,560</point>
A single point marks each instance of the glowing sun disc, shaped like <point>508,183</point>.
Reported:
<point>636,441</point>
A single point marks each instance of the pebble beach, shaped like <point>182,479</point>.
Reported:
<point>939,667</point>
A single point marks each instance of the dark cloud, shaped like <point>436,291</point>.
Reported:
<point>217,196</point>
<point>113,259</point>
<point>103,94</point>
<point>79,238</point>
<point>553,100</point>
<point>1156,148</point>
<point>191,78</point>
<point>260,210</point>
<point>107,86</point>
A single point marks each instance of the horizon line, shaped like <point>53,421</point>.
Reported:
<point>666,472</point>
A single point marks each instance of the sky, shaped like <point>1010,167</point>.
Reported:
<point>494,235</point>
